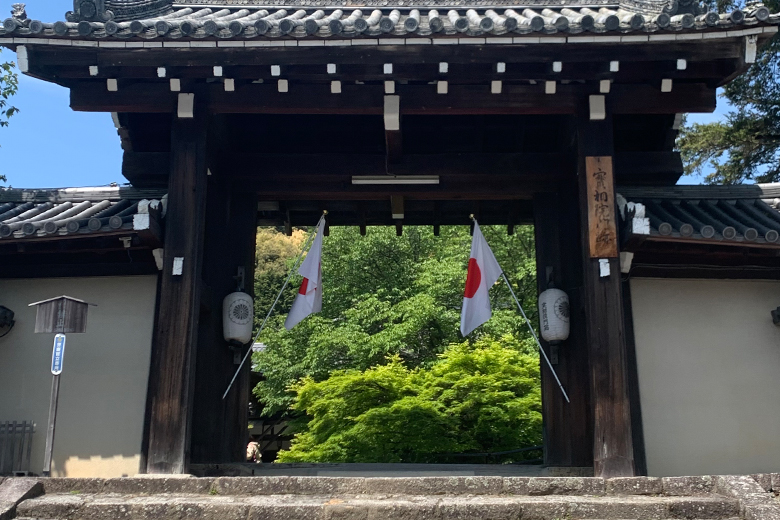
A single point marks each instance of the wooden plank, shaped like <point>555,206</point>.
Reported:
<point>613,453</point>
<point>4,430</point>
<point>602,221</point>
<point>28,455</point>
<point>59,270</point>
<point>52,425</point>
<point>171,382</point>
<point>90,96</point>
<point>637,428</point>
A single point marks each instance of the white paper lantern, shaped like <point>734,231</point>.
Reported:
<point>237,314</point>
<point>554,315</point>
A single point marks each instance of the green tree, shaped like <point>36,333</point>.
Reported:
<point>745,146</point>
<point>478,397</point>
<point>385,296</point>
<point>9,83</point>
<point>274,254</point>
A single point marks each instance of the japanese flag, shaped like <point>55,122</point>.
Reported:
<point>484,271</point>
<point>309,298</point>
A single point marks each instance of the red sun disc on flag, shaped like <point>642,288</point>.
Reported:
<point>304,286</point>
<point>473,278</point>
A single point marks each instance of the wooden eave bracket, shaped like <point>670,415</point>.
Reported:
<point>397,206</point>
<point>392,113</point>
<point>22,59</point>
<point>597,106</point>
<point>186,106</point>
<point>393,138</point>
<point>751,48</point>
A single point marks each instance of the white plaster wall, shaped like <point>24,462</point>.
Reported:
<point>708,356</point>
<point>104,379</point>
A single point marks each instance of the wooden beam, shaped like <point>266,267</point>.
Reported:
<point>647,168</point>
<point>379,55</point>
<point>89,96</point>
<point>612,440</point>
<point>171,380</point>
<point>630,72</point>
<point>150,169</point>
<point>285,177</point>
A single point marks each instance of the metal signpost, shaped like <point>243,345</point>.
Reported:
<point>57,355</point>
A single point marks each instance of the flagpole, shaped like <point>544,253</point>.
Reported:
<point>278,296</point>
<point>527,322</point>
<point>533,333</point>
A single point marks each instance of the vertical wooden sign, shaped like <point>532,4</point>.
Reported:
<point>602,222</point>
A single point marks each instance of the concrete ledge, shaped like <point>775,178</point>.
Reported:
<point>555,486</point>
<point>73,485</point>
<point>284,507</point>
<point>764,480</point>
<point>13,491</point>
<point>685,486</point>
<point>755,502</point>
<point>436,486</point>
<point>635,486</point>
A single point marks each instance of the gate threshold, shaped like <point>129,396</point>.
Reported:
<point>384,470</point>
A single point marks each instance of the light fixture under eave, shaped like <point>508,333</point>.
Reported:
<point>395,179</point>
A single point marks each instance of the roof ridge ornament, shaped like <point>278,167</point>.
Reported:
<point>652,7</point>
<point>18,18</point>
<point>18,12</point>
<point>118,10</point>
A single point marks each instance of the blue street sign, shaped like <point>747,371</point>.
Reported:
<point>57,354</point>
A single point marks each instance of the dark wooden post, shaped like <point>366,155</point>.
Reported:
<point>568,427</point>
<point>220,426</point>
<point>171,380</point>
<point>603,299</point>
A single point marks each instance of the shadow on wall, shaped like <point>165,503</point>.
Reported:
<point>104,379</point>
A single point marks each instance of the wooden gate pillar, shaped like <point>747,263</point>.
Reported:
<point>568,427</point>
<point>220,426</point>
<point>602,296</point>
<point>171,378</point>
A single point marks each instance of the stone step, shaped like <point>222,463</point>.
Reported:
<point>109,506</point>
<point>473,485</point>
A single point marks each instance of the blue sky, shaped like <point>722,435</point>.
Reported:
<point>48,145</point>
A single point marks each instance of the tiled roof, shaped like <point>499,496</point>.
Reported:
<point>741,215</point>
<point>308,20</point>
<point>26,214</point>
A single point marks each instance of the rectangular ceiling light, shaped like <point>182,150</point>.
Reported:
<point>395,179</point>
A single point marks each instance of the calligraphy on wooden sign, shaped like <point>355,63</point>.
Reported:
<point>602,223</point>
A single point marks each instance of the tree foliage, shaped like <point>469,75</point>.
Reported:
<point>745,146</point>
<point>387,296</point>
<point>479,397</point>
<point>9,83</point>
<point>274,251</point>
